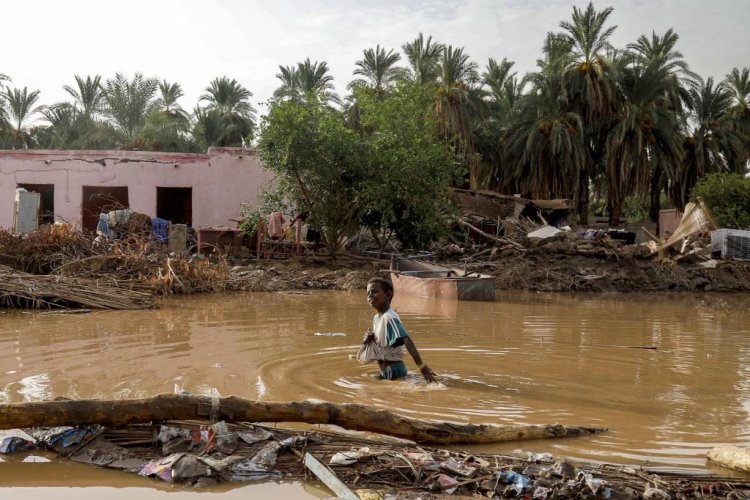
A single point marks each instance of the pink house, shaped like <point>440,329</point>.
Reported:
<point>201,190</point>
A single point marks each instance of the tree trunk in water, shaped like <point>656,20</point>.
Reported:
<point>115,413</point>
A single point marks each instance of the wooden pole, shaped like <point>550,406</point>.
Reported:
<point>115,413</point>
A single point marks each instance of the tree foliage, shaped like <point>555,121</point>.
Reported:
<point>392,178</point>
<point>318,163</point>
<point>727,196</point>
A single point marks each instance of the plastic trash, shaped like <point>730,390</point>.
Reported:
<point>15,444</point>
<point>259,467</point>
<point>594,484</point>
<point>61,438</point>
<point>540,457</point>
<point>458,468</point>
<point>253,436</point>
<point>330,334</point>
<point>349,457</point>
<point>447,483</point>
<point>517,481</point>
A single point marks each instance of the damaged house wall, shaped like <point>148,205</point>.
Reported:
<point>220,180</point>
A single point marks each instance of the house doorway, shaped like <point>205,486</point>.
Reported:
<point>100,199</point>
<point>175,204</point>
<point>46,200</point>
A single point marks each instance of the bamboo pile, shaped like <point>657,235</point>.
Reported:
<point>18,289</point>
<point>61,267</point>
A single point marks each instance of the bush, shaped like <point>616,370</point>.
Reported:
<point>727,196</point>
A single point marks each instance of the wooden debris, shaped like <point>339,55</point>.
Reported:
<point>115,413</point>
<point>329,478</point>
<point>732,457</point>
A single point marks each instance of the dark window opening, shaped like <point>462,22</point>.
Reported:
<point>100,199</point>
<point>46,200</point>
<point>175,204</point>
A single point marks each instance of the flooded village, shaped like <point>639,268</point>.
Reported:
<point>227,298</point>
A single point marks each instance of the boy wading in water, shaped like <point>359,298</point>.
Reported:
<point>386,340</point>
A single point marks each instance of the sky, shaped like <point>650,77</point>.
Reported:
<point>47,42</point>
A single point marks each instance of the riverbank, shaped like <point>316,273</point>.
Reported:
<point>547,272</point>
<point>87,272</point>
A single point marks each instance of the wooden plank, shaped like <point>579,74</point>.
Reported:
<point>328,478</point>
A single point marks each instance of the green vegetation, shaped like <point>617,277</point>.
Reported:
<point>391,175</point>
<point>597,124</point>
<point>727,196</point>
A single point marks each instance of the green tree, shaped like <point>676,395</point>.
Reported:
<point>318,163</point>
<point>409,170</point>
<point>727,196</point>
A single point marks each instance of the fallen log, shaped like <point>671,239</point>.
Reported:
<point>731,457</point>
<point>114,413</point>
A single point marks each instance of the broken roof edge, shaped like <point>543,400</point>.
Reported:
<point>135,155</point>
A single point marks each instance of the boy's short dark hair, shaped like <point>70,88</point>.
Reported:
<point>384,283</point>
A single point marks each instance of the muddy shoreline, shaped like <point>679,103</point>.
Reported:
<point>541,272</point>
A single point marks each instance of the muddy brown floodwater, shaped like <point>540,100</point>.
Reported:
<point>669,375</point>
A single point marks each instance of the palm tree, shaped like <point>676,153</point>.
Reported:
<point>308,81</point>
<point>738,83</point>
<point>168,124</point>
<point>3,112</point>
<point>378,70</point>
<point>505,89</point>
<point>591,85</point>
<point>457,100</point>
<point>228,103</point>
<point>21,111</point>
<point>712,143</point>
<point>167,103</point>
<point>289,89</point>
<point>545,146</point>
<point>423,56</point>
<point>645,139</point>
<point>659,56</point>
<point>128,104</point>
<point>503,93</point>
<point>63,130</point>
<point>89,96</point>
<point>89,102</point>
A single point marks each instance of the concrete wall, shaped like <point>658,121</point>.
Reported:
<point>220,180</point>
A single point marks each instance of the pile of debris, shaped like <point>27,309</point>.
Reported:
<point>62,267</point>
<point>198,454</point>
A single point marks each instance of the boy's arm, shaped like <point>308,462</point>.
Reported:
<point>427,372</point>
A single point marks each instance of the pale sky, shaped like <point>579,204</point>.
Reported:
<point>46,42</point>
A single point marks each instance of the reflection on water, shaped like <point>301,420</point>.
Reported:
<point>668,375</point>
